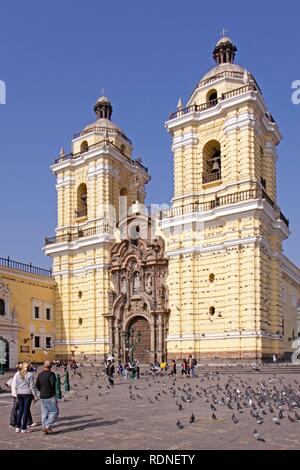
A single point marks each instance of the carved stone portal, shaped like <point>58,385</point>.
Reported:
<point>139,299</point>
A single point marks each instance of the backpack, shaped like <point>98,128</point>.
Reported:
<point>194,362</point>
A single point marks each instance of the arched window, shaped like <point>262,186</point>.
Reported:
<point>2,307</point>
<point>212,98</point>
<point>123,192</point>
<point>81,200</point>
<point>211,161</point>
<point>84,146</point>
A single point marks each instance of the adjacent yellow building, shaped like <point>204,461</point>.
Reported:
<point>26,312</point>
<point>207,276</point>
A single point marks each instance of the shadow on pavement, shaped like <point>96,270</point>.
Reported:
<point>89,424</point>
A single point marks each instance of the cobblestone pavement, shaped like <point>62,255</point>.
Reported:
<point>93,416</point>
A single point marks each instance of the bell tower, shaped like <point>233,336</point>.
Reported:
<point>224,231</point>
<point>96,182</point>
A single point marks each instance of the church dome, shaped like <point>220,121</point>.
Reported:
<point>224,55</point>
<point>225,67</point>
<point>104,123</point>
<point>103,111</point>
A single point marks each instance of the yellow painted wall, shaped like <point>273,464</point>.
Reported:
<point>26,290</point>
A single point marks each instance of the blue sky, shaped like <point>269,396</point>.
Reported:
<point>56,56</point>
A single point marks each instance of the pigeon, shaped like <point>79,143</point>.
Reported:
<point>291,419</point>
<point>180,406</point>
<point>276,420</point>
<point>234,419</point>
<point>87,397</point>
<point>214,417</point>
<point>179,425</point>
<point>258,436</point>
<point>259,420</point>
<point>192,418</point>
<point>212,407</point>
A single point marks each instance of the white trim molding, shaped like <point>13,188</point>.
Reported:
<point>81,342</point>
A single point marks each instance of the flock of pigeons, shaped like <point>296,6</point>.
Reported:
<point>266,399</point>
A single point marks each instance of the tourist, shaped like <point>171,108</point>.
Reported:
<point>120,369</point>
<point>136,369</point>
<point>127,368</point>
<point>14,410</point>
<point>46,384</point>
<point>26,391</point>
<point>110,370</point>
<point>184,367</point>
<point>192,362</point>
<point>173,367</point>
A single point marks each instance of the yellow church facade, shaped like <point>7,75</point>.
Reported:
<point>207,276</point>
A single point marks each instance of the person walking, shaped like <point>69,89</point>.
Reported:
<point>184,367</point>
<point>110,370</point>
<point>26,391</point>
<point>192,362</point>
<point>173,367</point>
<point>46,384</point>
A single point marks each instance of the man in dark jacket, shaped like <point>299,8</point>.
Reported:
<point>110,371</point>
<point>46,383</point>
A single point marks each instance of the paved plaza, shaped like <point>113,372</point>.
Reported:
<point>144,413</point>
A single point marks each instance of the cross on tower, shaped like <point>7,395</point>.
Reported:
<point>224,31</point>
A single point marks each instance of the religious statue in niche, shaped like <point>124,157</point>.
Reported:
<point>149,284</point>
<point>136,283</point>
<point>161,297</point>
<point>111,297</point>
<point>124,286</point>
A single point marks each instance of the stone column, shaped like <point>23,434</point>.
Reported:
<point>160,335</point>
<point>152,339</point>
<point>110,332</point>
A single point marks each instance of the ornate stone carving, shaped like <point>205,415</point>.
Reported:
<point>140,267</point>
<point>136,283</point>
<point>123,286</point>
<point>138,272</point>
<point>137,306</point>
<point>149,284</point>
<point>111,298</point>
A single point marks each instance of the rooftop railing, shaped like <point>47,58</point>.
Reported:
<point>255,193</point>
<point>194,108</point>
<point>74,156</point>
<point>80,233</point>
<point>111,130</point>
<point>27,268</point>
